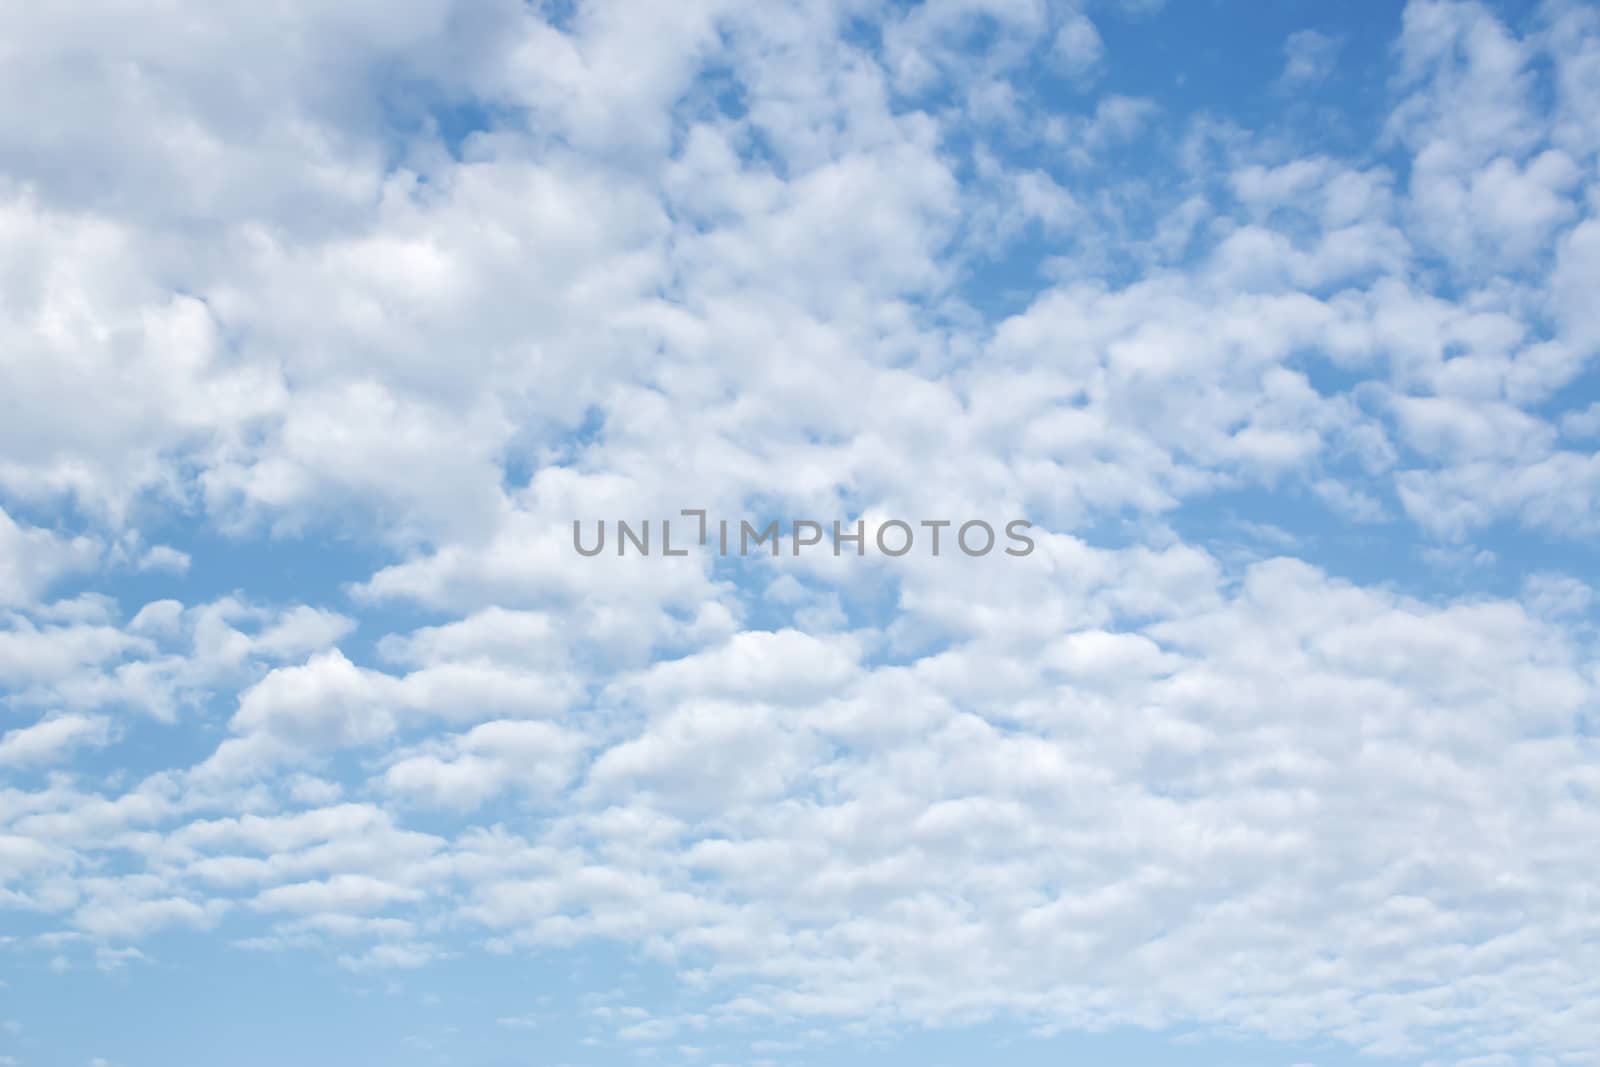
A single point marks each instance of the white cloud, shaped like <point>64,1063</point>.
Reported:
<point>345,892</point>
<point>536,758</point>
<point>52,739</point>
<point>31,558</point>
<point>327,702</point>
<point>164,558</point>
<point>1309,57</point>
<point>1077,45</point>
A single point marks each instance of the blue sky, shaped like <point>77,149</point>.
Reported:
<point>320,324</point>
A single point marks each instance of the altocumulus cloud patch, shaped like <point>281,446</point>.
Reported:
<point>325,328</point>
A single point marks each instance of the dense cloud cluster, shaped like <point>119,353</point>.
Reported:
<point>321,323</point>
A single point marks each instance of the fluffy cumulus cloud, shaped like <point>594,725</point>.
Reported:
<point>321,324</point>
